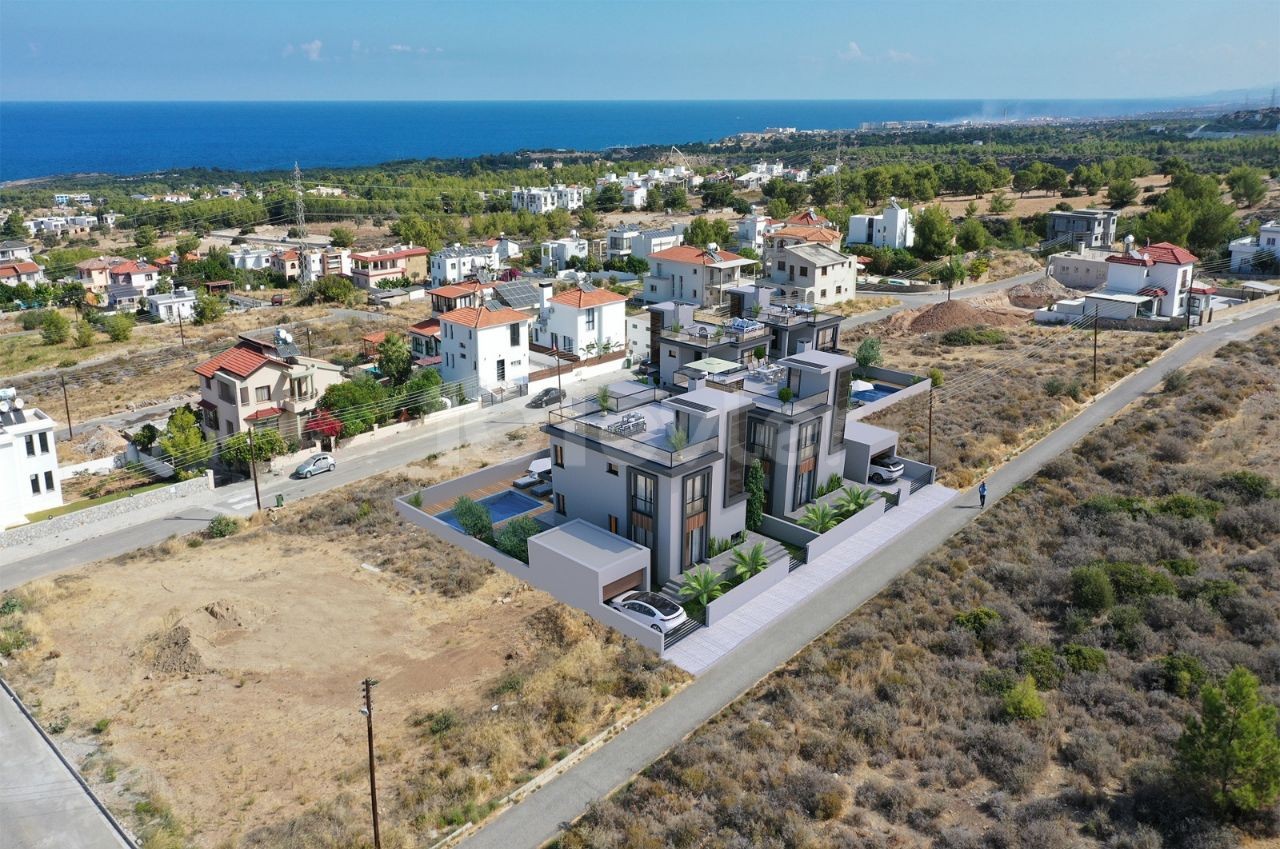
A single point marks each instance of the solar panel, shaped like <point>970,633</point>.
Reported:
<point>518,294</point>
<point>585,285</point>
<point>287,350</point>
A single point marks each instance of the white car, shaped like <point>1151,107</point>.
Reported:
<point>657,611</point>
<point>316,464</point>
<point>886,469</point>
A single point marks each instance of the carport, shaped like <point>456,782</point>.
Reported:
<point>585,566</point>
<point>862,442</point>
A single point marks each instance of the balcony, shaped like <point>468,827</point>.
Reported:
<point>301,403</point>
<point>710,335</point>
<point>647,427</point>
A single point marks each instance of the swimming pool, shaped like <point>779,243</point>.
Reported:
<point>878,391</point>
<point>502,506</point>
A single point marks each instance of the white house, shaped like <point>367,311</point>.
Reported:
<point>634,196</point>
<point>251,259</point>
<point>692,275</point>
<point>583,320</point>
<point>460,262</point>
<point>625,240</point>
<point>13,250</point>
<point>504,248</point>
<point>68,199</point>
<point>29,479</point>
<point>108,219</point>
<point>814,274</point>
<point>752,230</point>
<point>13,272</point>
<point>639,337</point>
<point>542,199</point>
<point>892,228</point>
<point>1162,272</point>
<point>485,347</point>
<point>173,307</point>
<point>317,263</point>
<point>1250,249</point>
<point>139,274</point>
<point>556,253</point>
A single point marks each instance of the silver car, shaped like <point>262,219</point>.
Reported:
<point>315,464</point>
<point>657,611</point>
<point>886,469</point>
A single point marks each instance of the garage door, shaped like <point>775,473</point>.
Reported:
<point>630,582</point>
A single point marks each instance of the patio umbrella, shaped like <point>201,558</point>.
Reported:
<point>540,466</point>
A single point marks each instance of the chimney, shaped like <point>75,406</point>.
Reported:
<point>544,294</point>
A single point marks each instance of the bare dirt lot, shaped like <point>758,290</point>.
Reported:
<point>223,679</point>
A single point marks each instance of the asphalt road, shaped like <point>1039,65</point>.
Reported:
<point>42,806</point>
<point>540,818</point>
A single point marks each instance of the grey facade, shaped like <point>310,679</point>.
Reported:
<point>1090,228</point>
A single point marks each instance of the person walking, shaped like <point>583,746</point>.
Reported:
<point>982,495</point>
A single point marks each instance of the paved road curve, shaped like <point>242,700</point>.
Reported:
<point>42,805</point>
<point>540,818</point>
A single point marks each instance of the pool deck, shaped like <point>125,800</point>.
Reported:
<point>543,507</point>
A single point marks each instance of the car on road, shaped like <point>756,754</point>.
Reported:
<point>657,611</point>
<point>315,464</point>
<point>886,469</point>
<point>546,398</point>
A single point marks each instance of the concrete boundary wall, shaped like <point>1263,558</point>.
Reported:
<point>746,591</point>
<point>400,427</point>
<point>25,534</point>
<point>92,467</point>
<point>898,397</point>
<point>846,529</point>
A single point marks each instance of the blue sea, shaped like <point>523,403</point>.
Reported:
<point>44,139</point>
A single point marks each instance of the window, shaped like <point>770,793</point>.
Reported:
<point>824,293</point>
<point>515,335</point>
<point>262,393</point>
<point>613,524</point>
<point>695,517</point>
<point>502,369</point>
<point>825,270</point>
<point>782,266</point>
<point>244,396</point>
<point>695,494</point>
<point>560,505</point>
<point>48,481</point>
<point>611,468</point>
<point>735,479</point>
<point>567,341</point>
<point>807,468</point>
<point>557,455</point>
<point>208,384</point>
<point>35,484</point>
<point>838,290</point>
<point>804,271</point>
<point>591,319</point>
<point>231,426</point>
<point>31,445</point>
<point>643,491</point>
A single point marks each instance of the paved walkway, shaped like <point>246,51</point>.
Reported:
<point>705,647</point>
<point>541,818</point>
<point>37,791</point>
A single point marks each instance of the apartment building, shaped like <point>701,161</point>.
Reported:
<point>624,241</point>
<point>693,275</point>
<point>669,471</point>
<point>542,199</point>
<point>401,261</point>
<point>461,262</point>
<point>1089,228</point>
<point>892,228</point>
<point>262,383</point>
<point>485,346</point>
<point>330,262</point>
<point>29,479</point>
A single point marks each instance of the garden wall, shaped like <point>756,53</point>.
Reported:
<point>92,467</point>
<point>788,532</point>
<point>400,427</point>
<point>749,589</point>
<point>846,529</point>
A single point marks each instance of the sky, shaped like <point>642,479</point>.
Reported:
<point>633,49</point>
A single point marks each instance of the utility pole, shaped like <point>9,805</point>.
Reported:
<point>181,333</point>
<point>253,465</point>
<point>373,783</point>
<point>1095,349</point>
<point>929,460</point>
<point>308,341</point>
<point>66,405</point>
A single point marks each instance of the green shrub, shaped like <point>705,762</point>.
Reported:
<point>473,517</point>
<point>119,327</point>
<point>1041,664</point>
<point>1175,380</point>
<point>10,604</point>
<point>935,377</point>
<point>13,640</point>
<point>1248,486</point>
<point>55,328</point>
<point>973,336</point>
<point>101,726</point>
<point>1022,701</point>
<point>513,537</point>
<point>1105,505</point>
<point>222,526</point>
<point>1084,658</point>
<point>1187,506</point>
<point>33,319</point>
<point>1182,674</point>
<point>1133,582</point>
<point>977,620</point>
<point>785,394</point>
<point>1181,566</point>
<point>1091,589</point>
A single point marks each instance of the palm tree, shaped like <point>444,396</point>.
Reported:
<point>853,499</point>
<point>702,585</point>
<point>819,518</point>
<point>603,400</point>
<point>751,563</point>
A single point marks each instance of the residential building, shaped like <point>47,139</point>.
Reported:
<point>29,479</point>
<point>892,228</point>
<point>471,293</point>
<point>584,321</point>
<point>813,274</point>
<point>556,253</point>
<point>639,338</point>
<point>541,200</point>
<point>93,275</point>
<point>329,262</point>
<point>458,262</point>
<point>394,263</point>
<point>12,250</point>
<point>503,248</point>
<point>1082,268</point>
<point>424,342</point>
<point>173,307</point>
<point>262,383</point>
<point>634,197</point>
<point>669,471</point>
<point>1248,251</point>
<point>1089,228</point>
<point>139,274</point>
<point>122,298</point>
<point>810,218</point>
<point>1162,272</point>
<point>286,263</point>
<point>108,219</point>
<point>485,347</point>
<point>795,234</point>
<point>626,240</point>
<point>16,272</point>
<point>692,275</point>
<point>69,199</point>
<point>753,229</point>
<point>251,259</point>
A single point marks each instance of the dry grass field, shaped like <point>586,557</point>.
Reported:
<point>213,684</point>
<point>902,726</point>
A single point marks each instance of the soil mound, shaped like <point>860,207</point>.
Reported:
<point>171,653</point>
<point>1038,293</point>
<point>951,315</point>
<point>99,442</point>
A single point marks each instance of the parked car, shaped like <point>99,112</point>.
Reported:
<point>277,300</point>
<point>315,464</point>
<point>657,611</point>
<point>886,469</point>
<point>546,398</point>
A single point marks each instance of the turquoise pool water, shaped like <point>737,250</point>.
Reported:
<point>502,506</point>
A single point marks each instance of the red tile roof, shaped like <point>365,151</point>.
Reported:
<point>808,217</point>
<point>130,266</point>
<point>268,413</point>
<point>429,361</point>
<point>1163,252</point>
<point>238,361</point>
<point>694,255</point>
<point>429,327</point>
<point>578,299</point>
<point>13,269</point>
<point>377,337</point>
<point>1126,259</point>
<point>483,317</point>
<point>808,234</point>
<point>457,290</point>
<point>285,256</point>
